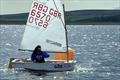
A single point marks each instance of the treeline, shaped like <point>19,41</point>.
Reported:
<point>72,17</point>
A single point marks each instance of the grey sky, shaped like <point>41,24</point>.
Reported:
<point>92,4</point>
<point>21,6</point>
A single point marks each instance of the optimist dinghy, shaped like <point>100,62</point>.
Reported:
<point>46,27</point>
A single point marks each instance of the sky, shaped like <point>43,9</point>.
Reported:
<point>21,6</point>
<point>92,4</point>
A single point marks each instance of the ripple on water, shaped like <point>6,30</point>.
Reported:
<point>97,50</point>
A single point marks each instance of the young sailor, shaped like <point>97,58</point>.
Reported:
<point>38,55</point>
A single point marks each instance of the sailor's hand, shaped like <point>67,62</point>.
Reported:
<point>34,61</point>
<point>39,57</point>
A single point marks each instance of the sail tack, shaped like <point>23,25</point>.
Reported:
<point>45,27</point>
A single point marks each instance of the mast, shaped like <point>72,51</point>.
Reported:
<point>66,33</point>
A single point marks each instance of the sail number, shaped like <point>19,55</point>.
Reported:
<point>62,66</point>
<point>41,14</point>
<point>40,21</point>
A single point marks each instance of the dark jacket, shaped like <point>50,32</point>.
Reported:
<point>38,55</point>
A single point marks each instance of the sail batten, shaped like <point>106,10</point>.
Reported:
<point>45,27</point>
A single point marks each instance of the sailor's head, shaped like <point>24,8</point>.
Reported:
<point>38,47</point>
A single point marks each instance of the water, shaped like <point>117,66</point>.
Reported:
<point>97,51</point>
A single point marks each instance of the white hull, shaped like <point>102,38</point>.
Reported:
<point>47,66</point>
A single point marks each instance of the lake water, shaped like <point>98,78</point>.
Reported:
<point>97,51</point>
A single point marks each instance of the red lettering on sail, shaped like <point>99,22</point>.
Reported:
<point>40,7</point>
<point>33,12</point>
<point>41,14</point>
<point>35,5</point>
<point>51,12</point>
<point>38,14</point>
<point>45,9</point>
<point>54,13</point>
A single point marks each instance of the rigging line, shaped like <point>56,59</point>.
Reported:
<point>58,11</point>
<point>62,21</point>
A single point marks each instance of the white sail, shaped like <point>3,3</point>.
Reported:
<point>45,27</point>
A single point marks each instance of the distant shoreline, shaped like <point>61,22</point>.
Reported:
<point>80,17</point>
<point>82,23</point>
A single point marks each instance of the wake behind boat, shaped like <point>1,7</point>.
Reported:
<point>46,27</point>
